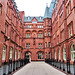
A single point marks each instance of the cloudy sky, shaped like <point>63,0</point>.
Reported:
<point>33,7</point>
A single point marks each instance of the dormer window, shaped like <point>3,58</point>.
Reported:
<point>0,9</point>
<point>40,17</point>
<point>28,17</point>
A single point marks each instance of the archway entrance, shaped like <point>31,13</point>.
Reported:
<point>40,55</point>
<point>28,56</point>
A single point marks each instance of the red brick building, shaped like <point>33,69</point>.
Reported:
<point>38,38</point>
<point>63,33</point>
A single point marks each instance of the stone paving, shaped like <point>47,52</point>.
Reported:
<point>38,68</point>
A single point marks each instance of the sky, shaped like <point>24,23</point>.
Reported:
<point>33,7</point>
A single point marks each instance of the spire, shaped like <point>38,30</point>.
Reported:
<point>46,4</point>
<point>47,13</point>
<point>51,7</point>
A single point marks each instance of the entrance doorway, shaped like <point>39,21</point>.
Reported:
<point>28,56</point>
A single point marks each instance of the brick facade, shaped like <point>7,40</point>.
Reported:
<point>27,37</point>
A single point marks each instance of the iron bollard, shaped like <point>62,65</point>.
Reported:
<point>60,64</point>
<point>10,66</point>
<point>53,62</point>
<point>50,61</point>
<point>14,65</point>
<point>68,66</point>
<point>57,63</point>
<point>4,64</point>
<point>74,66</point>
<point>63,66</point>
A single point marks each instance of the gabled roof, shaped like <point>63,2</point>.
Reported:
<point>29,18</point>
<point>48,13</point>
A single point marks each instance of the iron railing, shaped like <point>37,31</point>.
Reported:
<point>67,67</point>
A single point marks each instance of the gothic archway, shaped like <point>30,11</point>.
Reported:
<point>28,55</point>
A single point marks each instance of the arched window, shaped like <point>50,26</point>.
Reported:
<point>28,35</point>
<point>64,54</point>
<point>40,55</point>
<point>72,52</point>
<point>40,35</point>
<point>4,52</point>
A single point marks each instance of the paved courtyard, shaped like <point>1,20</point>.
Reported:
<point>38,68</point>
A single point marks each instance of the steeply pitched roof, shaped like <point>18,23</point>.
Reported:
<point>47,13</point>
<point>29,18</point>
<point>51,8</point>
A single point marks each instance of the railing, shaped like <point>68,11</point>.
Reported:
<point>67,67</point>
<point>12,66</point>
